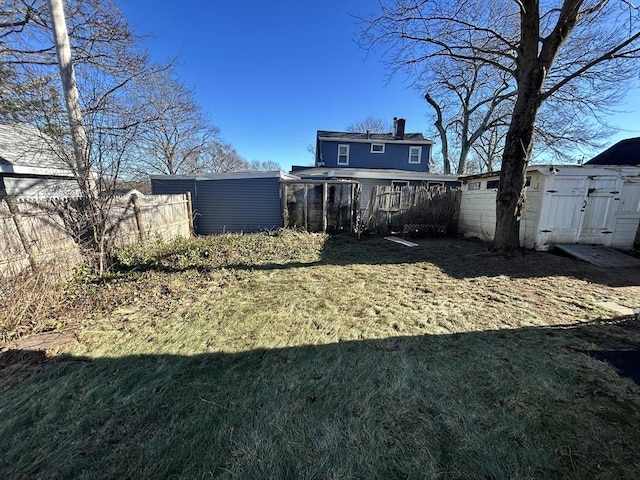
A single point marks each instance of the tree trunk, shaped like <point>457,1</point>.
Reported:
<point>511,196</point>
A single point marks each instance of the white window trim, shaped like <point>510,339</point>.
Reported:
<point>419,154</point>
<point>338,159</point>
<point>400,183</point>
<point>378,151</point>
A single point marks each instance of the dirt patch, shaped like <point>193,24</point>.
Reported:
<point>44,341</point>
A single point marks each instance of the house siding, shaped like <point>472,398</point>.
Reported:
<point>229,205</point>
<point>395,156</point>
<point>33,187</point>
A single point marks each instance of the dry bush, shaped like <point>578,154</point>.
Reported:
<point>32,302</point>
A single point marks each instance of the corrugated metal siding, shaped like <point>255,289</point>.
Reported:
<point>238,205</point>
<point>360,156</point>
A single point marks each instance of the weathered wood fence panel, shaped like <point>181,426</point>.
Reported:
<point>417,211</point>
<point>321,206</point>
<point>33,232</point>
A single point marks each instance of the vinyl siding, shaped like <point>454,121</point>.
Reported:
<point>242,205</point>
<point>21,187</point>
<point>229,205</point>
<point>478,213</point>
<point>395,156</point>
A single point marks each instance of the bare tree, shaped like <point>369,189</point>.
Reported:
<point>221,157</point>
<point>575,51</point>
<point>179,140</point>
<point>467,99</point>
<point>488,149</point>
<point>370,124</point>
<point>110,67</point>
<point>263,166</point>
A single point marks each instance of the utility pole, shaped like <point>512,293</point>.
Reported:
<point>72,99</point>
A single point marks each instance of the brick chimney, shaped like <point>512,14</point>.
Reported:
<point>400,128</point>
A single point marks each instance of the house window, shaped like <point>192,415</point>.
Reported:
<point>415,153</point>
<point>343,154</point>
<point>377,148</point>
<point>473,186</point>
<point>398,184</point>
<point>435,185</point>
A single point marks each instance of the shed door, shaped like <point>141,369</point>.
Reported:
<point>597,211</point>
<point>579,210</point>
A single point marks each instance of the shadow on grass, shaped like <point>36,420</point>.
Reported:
<point>521,403</point>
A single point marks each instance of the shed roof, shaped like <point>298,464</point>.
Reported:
<point>378,173</point>
<point>369,137</point>
<point>625,152</point>
<point>566,169</point>
<point>226,176</point>
<point>26,150</point>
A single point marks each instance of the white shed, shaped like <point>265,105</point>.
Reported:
<point>597,205</point>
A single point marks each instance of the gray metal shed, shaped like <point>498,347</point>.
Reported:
<point>229,202</point>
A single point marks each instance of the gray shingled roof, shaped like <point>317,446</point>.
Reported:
<point>625,152</point>
<point>387,137</point>
<point>26,146</point>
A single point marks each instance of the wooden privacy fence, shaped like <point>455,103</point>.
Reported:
<point>321,206</point>
<point>35,232</point>
<point>414,211</point>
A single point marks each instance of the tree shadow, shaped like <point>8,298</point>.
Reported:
<point>521,403</point>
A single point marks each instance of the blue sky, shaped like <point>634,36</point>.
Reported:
<point>270,73</point>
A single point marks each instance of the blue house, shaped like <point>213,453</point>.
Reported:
<point>397,150</point>
<point>396,159</point>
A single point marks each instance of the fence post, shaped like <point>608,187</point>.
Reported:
<point>138,215</point>
<point>324,207</point>
<point>306,208</point>
<point>283,204</point>
<point>17,220</point>
<point>190,212</point>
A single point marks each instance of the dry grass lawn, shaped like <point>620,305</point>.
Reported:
<point>306,357</point>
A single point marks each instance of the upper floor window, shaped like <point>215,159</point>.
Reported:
<point>377,148</point>
<point>415,154</point>
<point>343,154</point>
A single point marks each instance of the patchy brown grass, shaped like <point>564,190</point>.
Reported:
<point>302,356</point>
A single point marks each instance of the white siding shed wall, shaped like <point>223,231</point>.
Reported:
<point>478,212</point>
<point>568,204</point>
